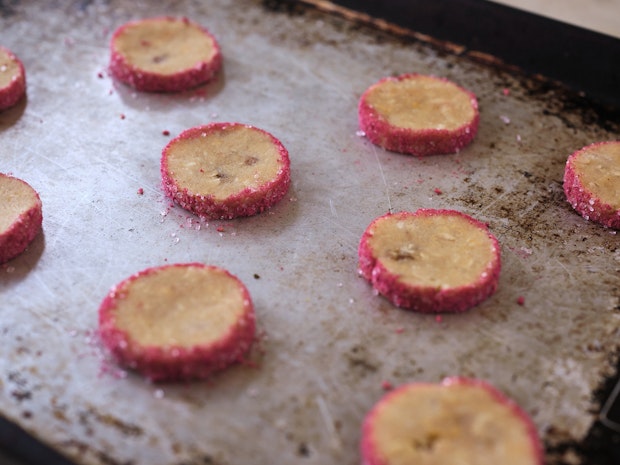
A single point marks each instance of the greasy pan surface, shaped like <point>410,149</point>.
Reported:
<point>327,342</point>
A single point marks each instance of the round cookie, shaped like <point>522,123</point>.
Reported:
<point>592,183</point>
<point>178,322</point>
<point>225,170</point>
<point>418,115</point>
<point>20,216</point>
<point>430,260</point>
<point>12,79</point>
<point>163,54</point>
<point>460,420</point>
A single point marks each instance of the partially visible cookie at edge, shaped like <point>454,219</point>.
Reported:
<point>459,420</point>
<point>12,79</point>
<point>164,54</point>
<point>21,216</point>
<point>592,183</point>
<point>418,114</point>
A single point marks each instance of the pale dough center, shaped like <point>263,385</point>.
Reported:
<point>599,171</point>
<point>422,103</point>
<point>224,162</point>
<point>180,306</point>
<point>435,251</point>
<point>438,425</point>
<point>165,46</point>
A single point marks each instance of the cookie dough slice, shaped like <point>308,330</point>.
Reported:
<point>418,115</point>
<point>592,183</point>
<point>20,216</point>
<point>164,54</point>
<point>178,322</point>
<point>12,79</point>
<point>225,170</point>
<point>460,420</point>
<point>430,260</point>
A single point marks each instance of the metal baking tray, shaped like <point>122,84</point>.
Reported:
<point>328,344</point>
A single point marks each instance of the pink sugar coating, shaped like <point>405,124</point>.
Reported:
<point>16,89</point>
<point>175,363</point>
<point>427,299</point>
<point>418,142</point>
<point>585,202</point>
<point>16,238</point>
<point>369,448</point>
<point>148,81</point>
<point>247,202</point>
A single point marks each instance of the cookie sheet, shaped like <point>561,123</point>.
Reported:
<point>328,345</point>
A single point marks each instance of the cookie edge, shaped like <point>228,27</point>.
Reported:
<point>583,201</point>
<point>247,202</point>
<point>426,299</point>
<point>148,81</point>
<point>16,90</point>
<point>422,142</point>
<point>22,232</point>
<point>368,448</point>
<point>161,364</point>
